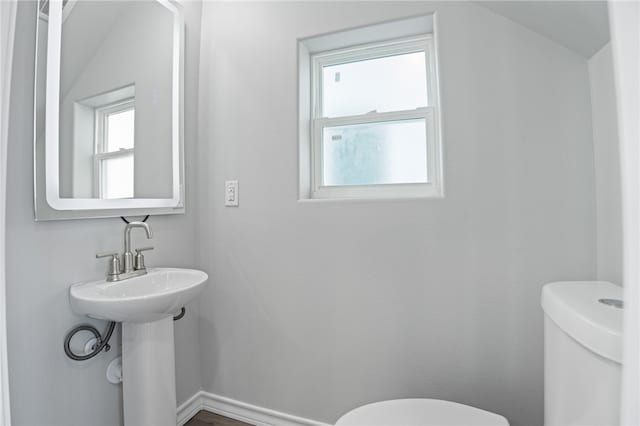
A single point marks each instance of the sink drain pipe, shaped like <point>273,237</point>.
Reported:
<point>101,342</point>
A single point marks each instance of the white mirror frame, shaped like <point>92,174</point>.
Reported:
<point>48,203</point>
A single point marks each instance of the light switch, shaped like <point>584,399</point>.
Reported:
<point>231,193</point>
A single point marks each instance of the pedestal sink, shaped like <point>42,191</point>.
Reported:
<point>145,305</point>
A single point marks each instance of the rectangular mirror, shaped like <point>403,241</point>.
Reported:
<point>108,109</point>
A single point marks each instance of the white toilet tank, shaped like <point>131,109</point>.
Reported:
<point>582,353</point>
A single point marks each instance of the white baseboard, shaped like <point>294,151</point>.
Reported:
<point>189,408</point>
<point>252,414</point>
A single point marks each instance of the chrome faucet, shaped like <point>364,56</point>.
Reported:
<point>127,256</point>
<point>132,266</point>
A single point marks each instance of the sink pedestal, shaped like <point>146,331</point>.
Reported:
<point>148,371</point>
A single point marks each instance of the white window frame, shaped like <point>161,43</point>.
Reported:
<point>100,142</point>
<point>430,113</point>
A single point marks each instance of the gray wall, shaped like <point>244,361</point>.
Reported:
<point>45,258</point>
<point>607,165</point>
<point>315,308</point>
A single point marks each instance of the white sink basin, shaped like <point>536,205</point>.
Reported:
<point>158,294</point>
<point>145,305</point>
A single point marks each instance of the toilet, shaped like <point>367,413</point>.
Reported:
<point>582,353</point>
<point>419,411</point>
<point>582,368</point>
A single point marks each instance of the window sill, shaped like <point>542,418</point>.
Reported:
<point>372,199</point>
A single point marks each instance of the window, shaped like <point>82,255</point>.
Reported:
<point>373,115</point>
<point>114,150</point>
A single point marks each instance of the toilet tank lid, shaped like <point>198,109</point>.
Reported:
<point>574,307</point>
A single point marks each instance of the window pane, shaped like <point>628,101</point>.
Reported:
<point>392,83</point>
<point>375,153</point>
<point>117,177</point>
<point>120,130</point>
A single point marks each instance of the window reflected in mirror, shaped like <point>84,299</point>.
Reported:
<point>104,167</point>
<point>114,157</point>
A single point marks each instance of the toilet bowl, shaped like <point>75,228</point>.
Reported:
<point>424,412</point>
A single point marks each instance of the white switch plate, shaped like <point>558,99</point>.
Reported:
<point>231,193</point>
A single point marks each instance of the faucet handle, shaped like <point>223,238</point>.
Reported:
<point>143,249</point>
<point>101,255</point>
<point>138,261</point>
<point>114,265</point>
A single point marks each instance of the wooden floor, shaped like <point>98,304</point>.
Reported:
<point>204,418</point>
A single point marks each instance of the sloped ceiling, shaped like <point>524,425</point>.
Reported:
<point>85,29</point>
<point>582,26</point>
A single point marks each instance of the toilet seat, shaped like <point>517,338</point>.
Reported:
<point>423,412</point>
